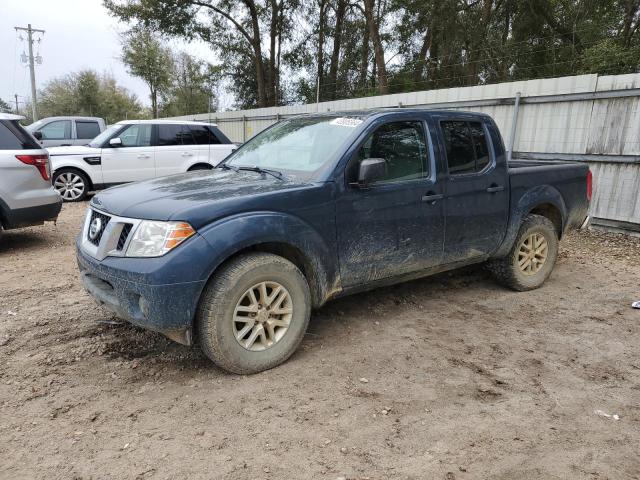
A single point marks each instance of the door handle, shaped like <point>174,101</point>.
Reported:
<point>495,188</point>
<point>143,155</point>
<point>432,198</point>
<point>187,154</point>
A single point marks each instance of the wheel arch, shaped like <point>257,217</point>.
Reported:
<point>200,166</point>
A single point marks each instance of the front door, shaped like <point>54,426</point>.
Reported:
<point>477,201</point>
<point>396,225</point>
<point>134,160</point>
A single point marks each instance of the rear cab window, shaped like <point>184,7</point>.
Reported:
<point>466,146</point>
<point>14,137</point>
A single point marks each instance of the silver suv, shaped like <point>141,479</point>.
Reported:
<point>26,195</point>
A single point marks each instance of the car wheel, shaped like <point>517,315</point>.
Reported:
<point>253,313</point>
<point>532,257</point>
<point>72,185</point>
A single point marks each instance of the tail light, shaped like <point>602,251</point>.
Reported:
<point>589,185</point>
<point>41,162</point>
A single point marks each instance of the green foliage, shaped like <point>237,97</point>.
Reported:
<point>88,93</point>
<point>192,87</point>
<point>4,107</point>
<point>147,58</point>
<point>609,57</point>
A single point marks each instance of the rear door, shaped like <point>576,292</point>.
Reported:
<point>175,149</point>
<point>397,225</point>
<point>212,148</point>
<point>86,130</point>
<point>477,202</point>
<point>134,160</point>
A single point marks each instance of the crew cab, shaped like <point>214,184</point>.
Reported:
<point>135,150</point>
<point>317,207</point>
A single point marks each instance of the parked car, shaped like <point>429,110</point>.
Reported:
<point>66,131</point>
<point>317,207</point>
<point>26,195</point>
<point>135,150</point>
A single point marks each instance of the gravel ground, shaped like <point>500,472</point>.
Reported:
<point>449,377</point>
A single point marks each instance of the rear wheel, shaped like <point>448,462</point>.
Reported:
<point>253,313</point>
<point>72,185</point>
<point>532,257</point>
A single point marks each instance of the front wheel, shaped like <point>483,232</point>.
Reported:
<point>532,257</point>
<point>253,313</point>
<point>72,185</point>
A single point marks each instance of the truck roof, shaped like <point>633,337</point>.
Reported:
<point>167,121</point>
<point>391,110</point>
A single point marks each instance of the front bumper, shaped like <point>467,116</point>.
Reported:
<point>142,298</point>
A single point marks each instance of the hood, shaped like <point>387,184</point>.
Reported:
<point>196,197</point>
<point>73,150</point>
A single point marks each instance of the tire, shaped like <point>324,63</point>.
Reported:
<point>72,185</point>
<point>227,297</point>
<point>532,273</point>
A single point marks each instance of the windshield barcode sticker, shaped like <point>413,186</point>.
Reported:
<point>346,122</point>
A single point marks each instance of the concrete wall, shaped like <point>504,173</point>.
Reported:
<point>585,118</point>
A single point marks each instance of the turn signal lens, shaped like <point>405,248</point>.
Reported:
<point>154,239</point>
<point>41,162</point>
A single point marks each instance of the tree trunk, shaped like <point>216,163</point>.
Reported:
<point>421,60</point>
<point>263,100</point>
<point>364,66</point>
<point>154,101</point>
<point>378,51</point>
<point>628,29</point>
<point>337,40</point>
<point>320,57</point>
<point>273,35</point>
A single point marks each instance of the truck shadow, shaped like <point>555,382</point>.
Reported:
<point>14,241</point>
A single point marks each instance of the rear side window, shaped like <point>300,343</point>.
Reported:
<point>87,130</point>
<point>172,134</point>
<point>14,137</point>
<point>58,130</point>
<point>203,135</point>
<point>466,146</point>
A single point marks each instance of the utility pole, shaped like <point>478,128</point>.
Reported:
<point>17,109</point>
<point>32,69</point>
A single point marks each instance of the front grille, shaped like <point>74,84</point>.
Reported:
<point>124,234</point>
<point>98,235</point>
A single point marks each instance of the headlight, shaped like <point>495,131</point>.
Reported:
<point>154,239</point>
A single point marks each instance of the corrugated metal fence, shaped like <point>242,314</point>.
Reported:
<point>586,118</point>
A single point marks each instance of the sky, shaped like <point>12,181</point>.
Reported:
<point>79,34</point>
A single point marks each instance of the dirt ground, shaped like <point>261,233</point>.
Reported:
<point>450,377</point>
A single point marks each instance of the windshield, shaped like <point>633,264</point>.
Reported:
<point>300,145</point>
<point>104,136</point>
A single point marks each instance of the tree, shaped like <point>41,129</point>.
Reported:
<point>148,59</point>
<point>372,14</point>
<point>88,93</point>
<point>193,86</point>
<point>4,107</point>
<point>237,30</point>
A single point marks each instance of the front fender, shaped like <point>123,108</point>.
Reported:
<point>532,198</point>
<point>239,232</point>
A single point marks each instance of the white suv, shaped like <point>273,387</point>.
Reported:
<point>134,150</point>
<point>26,195</point>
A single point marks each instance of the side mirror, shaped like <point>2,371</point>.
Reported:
<point>371,170</point>
<point>37,135</point>
<point>115,142</point>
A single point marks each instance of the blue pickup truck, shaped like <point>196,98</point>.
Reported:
<point>318,207</point>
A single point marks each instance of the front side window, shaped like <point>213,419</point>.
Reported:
<point>87,130</point>
<point>173,134</point>
<point>466,146</point>
<point>58,130</point>
<point>137,135</point>
<point>403,146</point>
